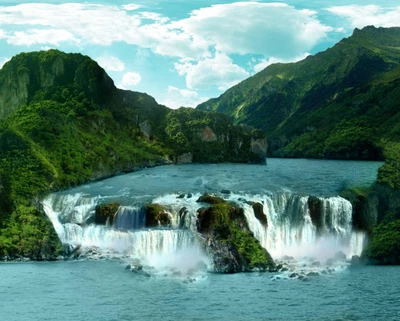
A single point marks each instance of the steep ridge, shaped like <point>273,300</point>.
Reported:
<point>341,103</point>
<point>63,122</point>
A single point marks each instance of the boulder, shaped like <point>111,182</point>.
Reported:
<point>106,213</point>
<point>340,256</point>
<point>210,199</point>
<point>258,209</point>
<point>355,260</point>
<point>156,216</point>
<point>228,240</point>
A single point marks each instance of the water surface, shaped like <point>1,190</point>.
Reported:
<point>105,291</point>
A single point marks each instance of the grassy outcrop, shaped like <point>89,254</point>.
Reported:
<point>229,240</point>
<point>63,123</point>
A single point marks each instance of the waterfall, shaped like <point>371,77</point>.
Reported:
<point>127,236</point>
<point>130,218</point>
<point>296,225</point>
<point>291,230</point>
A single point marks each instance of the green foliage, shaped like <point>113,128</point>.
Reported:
<point>384,245</point>
<point>389,173</point>
<point>210,137</point>
<point>339,104</point>
<point>67,124</point>
<point>29,234</point>
<point>228,224</point>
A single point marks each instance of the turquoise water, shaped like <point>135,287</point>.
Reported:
<point>102,289</point>
<point>301,176</point>
<point>105,291</point>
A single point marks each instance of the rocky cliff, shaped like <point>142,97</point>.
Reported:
<point>63,122</point>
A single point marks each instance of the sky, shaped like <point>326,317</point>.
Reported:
<point>183,52</point>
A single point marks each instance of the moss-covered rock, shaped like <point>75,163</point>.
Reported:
<point>210,199</point>
<point>229,241</point>
<point>105,213</point>
<point>156,215</point>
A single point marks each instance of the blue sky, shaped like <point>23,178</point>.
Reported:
<point>184,52</point>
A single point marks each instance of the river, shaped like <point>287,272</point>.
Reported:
<point>317,284</point>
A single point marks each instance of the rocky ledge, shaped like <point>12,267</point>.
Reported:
<point>228,240</point>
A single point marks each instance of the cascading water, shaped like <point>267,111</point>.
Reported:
<point>127,237</point>
<point>286,221</point>
<point>290,229</point>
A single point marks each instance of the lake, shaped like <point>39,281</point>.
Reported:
<point>316,284</point>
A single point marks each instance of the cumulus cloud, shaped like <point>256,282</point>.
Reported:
<point>41,36</point>
<point>203,42</point>
<point>360,16</point>
<point>176,98</point>
<point>130,79</point>
<point>218,70</point>
<point>271,29</point>
<point>111,63</point>
<point>3,60</point>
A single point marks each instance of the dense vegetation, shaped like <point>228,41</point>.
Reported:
<point>341,103</point>
<point>225,227</point>
<point>63,122</point>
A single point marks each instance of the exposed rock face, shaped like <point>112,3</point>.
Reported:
<point>207,135</point>
<point>185,158</point>
<point>314,205</point>
<point>145,129</point>
<point>106,213</point>
<point>228,239</point>
<point>156,215</point>
<point>259,213</point>
<point>259,147</point>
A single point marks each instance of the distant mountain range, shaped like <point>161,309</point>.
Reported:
<point>342,103</point>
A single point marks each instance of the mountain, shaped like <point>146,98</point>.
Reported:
<point>63,122</point>
<point>341,103</point>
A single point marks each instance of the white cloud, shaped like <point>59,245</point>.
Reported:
<point>361,16</point>
<point>153,16</point>
<point>40,36</point>
<point>130,79</point>
<point>219,70</point>
<point>3,60</point>
<point>258,65</point>
<point>111,63</point>
<point>176,98</point>
<point>270,29</point>
<point>131,7</point>
<point>202,42</point>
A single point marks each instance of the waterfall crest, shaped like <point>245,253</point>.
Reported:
<point>294,225</point>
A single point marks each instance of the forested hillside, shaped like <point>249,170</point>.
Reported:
<point>63,123</point>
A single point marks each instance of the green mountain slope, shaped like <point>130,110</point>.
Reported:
<point>341,103</point>
<point>63,122</point>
